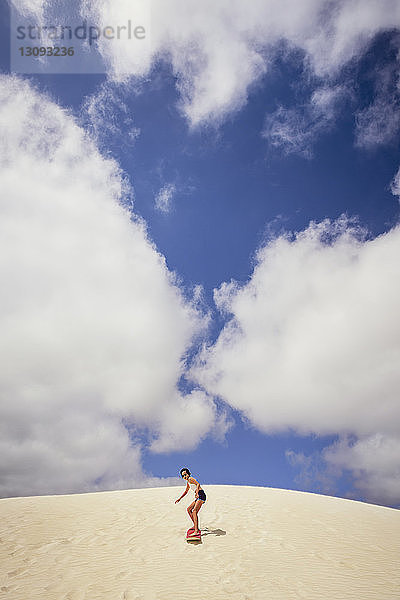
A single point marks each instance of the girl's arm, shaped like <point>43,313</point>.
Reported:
<point>184,493</point>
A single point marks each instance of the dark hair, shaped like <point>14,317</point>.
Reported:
<point>185,469</point>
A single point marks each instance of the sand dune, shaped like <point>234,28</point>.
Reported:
<point>261,543</point>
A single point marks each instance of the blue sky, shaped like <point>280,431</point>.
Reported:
<point>240,316</point>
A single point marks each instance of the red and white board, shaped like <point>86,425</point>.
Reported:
<point>192,538</point>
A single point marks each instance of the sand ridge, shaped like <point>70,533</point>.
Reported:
<point>261,543</point>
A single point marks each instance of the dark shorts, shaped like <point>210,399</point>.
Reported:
<point>202,495</point>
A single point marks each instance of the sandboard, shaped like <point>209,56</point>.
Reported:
<point>192,538</point>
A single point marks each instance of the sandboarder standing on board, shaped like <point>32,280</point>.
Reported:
<point>200,498</point>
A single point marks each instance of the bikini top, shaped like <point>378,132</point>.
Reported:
<point>193,486</point>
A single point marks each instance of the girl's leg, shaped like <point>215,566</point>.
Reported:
<point>198,504</point>
<point>190,511</point>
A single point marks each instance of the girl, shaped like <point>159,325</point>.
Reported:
<point>200,498</point>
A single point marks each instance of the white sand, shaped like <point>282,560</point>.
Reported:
<point>263,544</point>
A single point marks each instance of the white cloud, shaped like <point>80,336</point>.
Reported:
<point>107,117</point>
<point>185,420</point>
<point>218,50</point>
<point>287,130</point>
<point>314,473</point>
<point>164,198</point>
<point>29,7</point>
<point>395,186</point>
<point>94,328</point>
<point>379,123</point>
<point>374,461</point>
<point>313,342</point>
<point>294,130</point>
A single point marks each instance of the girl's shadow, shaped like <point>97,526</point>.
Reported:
<point>207,531</point>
